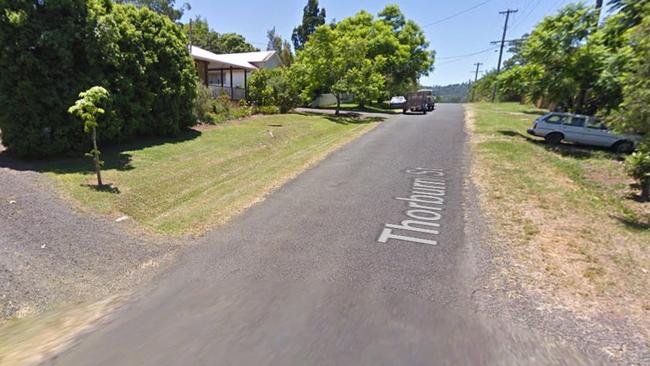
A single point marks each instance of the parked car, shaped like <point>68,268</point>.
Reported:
<point>557,127</point>
<point>420,101</point>
<point>397,102</point>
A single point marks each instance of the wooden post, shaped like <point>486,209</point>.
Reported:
<point>232,87</point>
<point>205,75</point>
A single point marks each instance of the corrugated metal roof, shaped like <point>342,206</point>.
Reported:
<point>245,60</point>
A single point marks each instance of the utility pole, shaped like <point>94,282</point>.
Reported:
<point>478,65</point>
<point>190,35</point>
<point>503,42</point>
<point>599,7</point>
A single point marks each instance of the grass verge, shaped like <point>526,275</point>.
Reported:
<point>194,182</point>
<point>564,217</point>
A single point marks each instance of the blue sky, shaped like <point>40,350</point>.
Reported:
<point>460,35</point>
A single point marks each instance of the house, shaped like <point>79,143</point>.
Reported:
<point>228,73</point>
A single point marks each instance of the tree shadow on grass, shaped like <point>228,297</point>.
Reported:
<point>372,108</point>
<point>116,157</point>
<point>344,118</point>
<point>107,188</point>
<point>634,223</point>
<point>536,112</point>
<point>567,150</point>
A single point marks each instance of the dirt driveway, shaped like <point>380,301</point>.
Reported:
<point>51,253</point>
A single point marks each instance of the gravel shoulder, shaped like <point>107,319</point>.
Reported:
<point>51,254</point>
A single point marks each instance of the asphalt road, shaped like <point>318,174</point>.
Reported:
<point>301,278</point>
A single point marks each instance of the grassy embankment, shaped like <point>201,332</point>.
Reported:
<point>565,218</point>
<point>189,184</point>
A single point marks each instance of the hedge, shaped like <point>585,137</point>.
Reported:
<point>52,50</point>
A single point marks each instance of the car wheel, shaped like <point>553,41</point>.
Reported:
<point>624,147</point>
<point>554,138</point>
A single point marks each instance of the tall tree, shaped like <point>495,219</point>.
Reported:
<point>286,55</point>
<point>560,68</point>
<point>274,41</point>
<point>312,17</point>
<point>234,43</point>
<point>205,37</point>
<point>407,55</point>
<point>283,48</point>
<point>202,35</point>
<point>336,61</point>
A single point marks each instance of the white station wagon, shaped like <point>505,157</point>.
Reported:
<point>557,127</point>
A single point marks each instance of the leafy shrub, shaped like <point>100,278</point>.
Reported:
<point>260,92</point>
<point>275,87</point>
<point>203,104</point>
<point>266,109</point>
<point>222,105</point>
<point>52,50</point>
<point>241,112</point>
<point>638,166</point>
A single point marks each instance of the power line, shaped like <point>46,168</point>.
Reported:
<point>467,55</point>
<point>521,19</point>
<point>457,14</point>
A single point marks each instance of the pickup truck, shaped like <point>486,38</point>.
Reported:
<point>420,101</point>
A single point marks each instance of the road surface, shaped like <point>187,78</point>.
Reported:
<point>311,276</point>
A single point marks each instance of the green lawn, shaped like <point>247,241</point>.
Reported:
<point>564,216</point>
<point>189,184</point>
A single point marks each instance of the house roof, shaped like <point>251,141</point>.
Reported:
<point>244,60</point>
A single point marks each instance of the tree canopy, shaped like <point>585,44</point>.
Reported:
<point>53,50</point>
<point>366,56</point>
<point>312,18</point>
<point>205,37</point>
<point>571,61</point>
<point>163,7</point>
<point>282,47</point>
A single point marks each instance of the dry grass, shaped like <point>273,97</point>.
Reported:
<point>563,218</point>
<point>32,340</point>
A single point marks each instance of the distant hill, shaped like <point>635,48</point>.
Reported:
<point>453,93</point>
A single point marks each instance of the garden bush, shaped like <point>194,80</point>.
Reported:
<point>275,87</point>
<point>266,109</point>
<point>204,103</point>
<point>52,50</point>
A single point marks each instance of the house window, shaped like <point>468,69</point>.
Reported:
<point>214,79</point>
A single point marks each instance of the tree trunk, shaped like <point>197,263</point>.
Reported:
<point>338,103</point>
<point>362,104</point>
<point>96,159</point>
<point>581,100</point>
<point>645,189</point>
